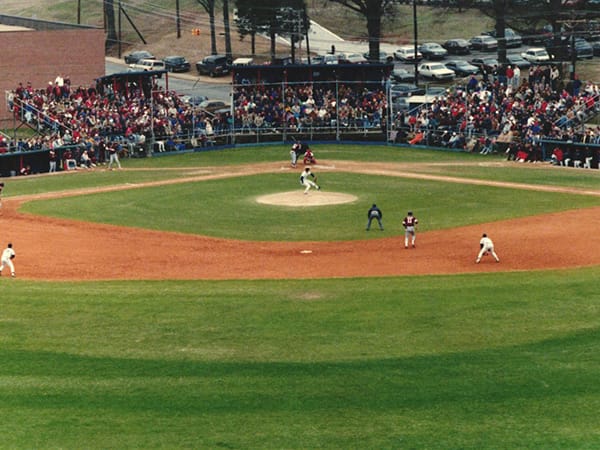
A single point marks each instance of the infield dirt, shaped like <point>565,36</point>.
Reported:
<point>57,249</point>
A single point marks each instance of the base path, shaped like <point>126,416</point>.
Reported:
<point>57,249</point>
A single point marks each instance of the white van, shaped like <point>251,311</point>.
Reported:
<point>148,64</point>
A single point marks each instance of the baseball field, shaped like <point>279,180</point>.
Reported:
<point>202,301</point>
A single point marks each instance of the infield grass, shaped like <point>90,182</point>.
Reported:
<point>480,361</point>
<point>218,207</point>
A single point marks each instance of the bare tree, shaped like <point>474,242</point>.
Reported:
<point>228,51</point>
<point>271,17</point>
<point>373,11</point>
<point>247,26</point>
<point>109,24</point>
<point>209,7</point>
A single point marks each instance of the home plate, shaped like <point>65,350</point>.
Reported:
<point>305,251</point>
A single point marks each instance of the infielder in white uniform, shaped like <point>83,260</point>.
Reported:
<point>306,182</point>
<point>6,260</point>
<point>486,246</point>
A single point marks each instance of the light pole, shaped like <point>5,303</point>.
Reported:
<point>416,42</point>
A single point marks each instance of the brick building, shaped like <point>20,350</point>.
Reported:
<point>38,51</point>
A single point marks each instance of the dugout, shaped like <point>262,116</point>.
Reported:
<point>38,161</point>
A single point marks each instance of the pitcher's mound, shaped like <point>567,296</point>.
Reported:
<point>313,198</point>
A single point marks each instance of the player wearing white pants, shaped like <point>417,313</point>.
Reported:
<point>409,223</point>
<point>486,246</point>
<point>293,157</point>
<point>6,260</point>
<point>308,183</point>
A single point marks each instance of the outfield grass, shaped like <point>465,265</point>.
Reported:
<point>415,362</point>
<point>506,360</point>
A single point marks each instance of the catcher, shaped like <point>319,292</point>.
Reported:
<point>7,256</point>
<point>309,157</point>
<point>307,182</point>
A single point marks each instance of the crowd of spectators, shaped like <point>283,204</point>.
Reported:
<point>95,118</point>
<point>309,106</point>
<point>494,116</point>
<point>484,115</point>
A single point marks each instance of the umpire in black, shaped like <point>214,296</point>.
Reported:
<point>374,213</point>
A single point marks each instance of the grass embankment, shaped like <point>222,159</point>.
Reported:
<point>491,361</point>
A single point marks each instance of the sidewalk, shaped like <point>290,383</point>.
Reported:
<point>321,39</point>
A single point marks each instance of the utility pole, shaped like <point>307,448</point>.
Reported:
<point>416,37</point>
<point>119,23</point>
<point>573,54</point>
<point>178,21</point>
<point>228,51</point>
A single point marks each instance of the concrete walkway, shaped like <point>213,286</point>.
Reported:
<point>321,39</point>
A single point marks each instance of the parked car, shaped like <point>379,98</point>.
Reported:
<point>486,63</point>
<point>242,62</point>
<point>583,49</point>
<point>436,91</point>
<point>457,46</point>
<point>325,59</point>
<point>400,104</point>
<point>194,100</point>
<point>536,55</point>
<point>436,71</point>
<point>596,48</point>
<point>407,54</point>
<point>484,43</point>
<point>331,59</point>
<point>537,36</point>
<point>384,57</point>
<point>148,64</point>
<point>177,64</point>
<point>282,60</point>
<point>511,38</point>
<point>136,56</point>
<point>214,65</point>
<point>352,58</point>
<point>519,61</point>
<point>462,68</point>
<point>402,75</point>
<point>212,106</point>
<point>406,90</point>
<point>432,50</point>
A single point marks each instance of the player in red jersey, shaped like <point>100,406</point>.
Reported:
<point>409,223</point>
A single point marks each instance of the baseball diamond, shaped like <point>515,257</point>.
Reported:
<point>201,257</point>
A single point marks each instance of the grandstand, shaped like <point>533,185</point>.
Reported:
<point>307,102</point>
